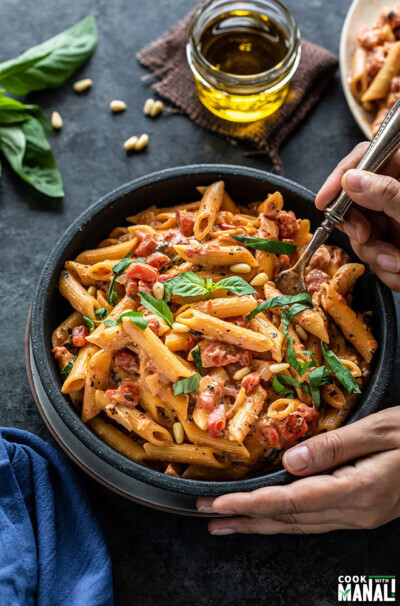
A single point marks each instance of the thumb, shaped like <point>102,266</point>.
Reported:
<point>328,450</point>
<point>373,191</point>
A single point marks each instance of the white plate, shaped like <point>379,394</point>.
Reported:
<point>361,12</point>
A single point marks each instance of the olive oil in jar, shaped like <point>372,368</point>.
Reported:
<point>243,58</point>
<point>243,44</point>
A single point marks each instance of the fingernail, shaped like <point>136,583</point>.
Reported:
<point>352,231</point>
<point>297,459</point>
<point>223,531</point>
<point>388,262</point>
<point>205,509</point>
<point>356,180</point>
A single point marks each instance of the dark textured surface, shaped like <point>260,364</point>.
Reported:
<point>158,558</point>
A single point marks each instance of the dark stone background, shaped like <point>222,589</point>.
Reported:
<point>162,559</point>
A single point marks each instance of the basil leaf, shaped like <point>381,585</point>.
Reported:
<point>135,316</point>
<point>236,285</point>
<point>281,389</point>
<point>49,64</point>
<point>280,300</point>
<point>196,353</point>
<point>122,265</point>
<point>340,371</point>
<point>68,367</point>
<point>293,382</point>
<point>167,292</point>
<point>272,246</point>
<point>161,247</point>
<point>112,297</point>
<point>14,112</point>
<point>187,385</point>
<point>317,377</point>
<point>288,313</point>
<point>300,367</point>
<point>89,323</point>
<point>160,308</point>
<point>27,150</point>
<point>101,313</point>
<point>189,284</point>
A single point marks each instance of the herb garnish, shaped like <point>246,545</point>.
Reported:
<point>272,246</point>
<point>118,269</point>
<point>190,284</point>
<point>300,367</point>
<point>340,371</point>
<point>196,353</point>
<point>187,385</point>
<point>89,323</point>
<point>136,317</point>
<point>160,308</point>
<point>68,367</point>
<point>296,303</point>
<point>102,313</point>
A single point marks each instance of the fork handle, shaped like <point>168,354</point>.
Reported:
<point>381,149</point>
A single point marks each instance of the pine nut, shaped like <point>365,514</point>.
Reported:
<point>275,368</point>
<point>178,327</point>
<point>117,106</point>
<point>239,374</point>
<point>152,108</point>
<point>142,142</point>
<point>240,268</point>
<point>56,120</point>
<point>158,291</point>
<point>82,85</point>
<point>301,332</point>
<point>136,143</point>
<point>259,280</point>
<point>179,435</point>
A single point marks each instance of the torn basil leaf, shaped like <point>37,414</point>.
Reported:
<point>272,246</point>
<point>340,371</point>
<point>187,385</point>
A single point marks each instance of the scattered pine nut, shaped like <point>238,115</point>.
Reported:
<point>56,120</point>
<point>259,280</point>
<point>158,291</point>
<point>240,268</point>
<point>275,368</point>
<point>152,108</point>
<point>136,143</point>
<point>117,106</point>
<point>178,327</point>
<point>179,435</point>
<point>239,374</point>
<point>301,332</point>
<point>82,85</point>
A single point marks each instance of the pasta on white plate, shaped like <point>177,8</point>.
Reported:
<point>182,355</point>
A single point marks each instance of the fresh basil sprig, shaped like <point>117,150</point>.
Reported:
<point>89,323</point>
<point>136,317</point>
<point>189,284</point>
<point>279,301</point>
<point>68,367</point>
<point>300,367</point>
<point>288,313</point>
<point>318,377</point>
<point>272,246</point>
<point>187,385</point>
<point>49,64</point>
<point>196,353</point>
<point>160,308</point>
<point>340,371</point>
<point>101,313</point>
<point>118,269</point>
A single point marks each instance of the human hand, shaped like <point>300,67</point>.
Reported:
<point>375,233</point>
<point>360,494</point>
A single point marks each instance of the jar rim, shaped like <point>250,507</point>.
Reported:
<point>228,78</point>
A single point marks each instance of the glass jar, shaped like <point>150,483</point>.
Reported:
<point>249,97</point>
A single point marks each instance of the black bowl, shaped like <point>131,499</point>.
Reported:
<point>169,187</point>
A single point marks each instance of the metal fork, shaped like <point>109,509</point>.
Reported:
<point>380,150</point>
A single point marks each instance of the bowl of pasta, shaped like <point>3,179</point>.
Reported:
<point>163,358</point>
<point>370,61</point>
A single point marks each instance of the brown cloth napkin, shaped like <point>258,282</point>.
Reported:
<point>166,58</point>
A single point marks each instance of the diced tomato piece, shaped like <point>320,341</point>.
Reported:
<point>293,426</point>
<point>210,393</point>
<point>127,393</point>
<point>269,432</point>
<point>250,381</point>
<point>79,334</point>
<point>154,324</point>
<point>125,358</point>
<point>287,224</point>
<point>185,222</point>
<point>320,259</point>
<point>216,421</point>
<point>314,280</point>
<point>221,354</point>
<point>147,245</point>
<point>59,351</point>
<point>157,260</point>
<point>310,413</point>
<point>132,287</point>
<point>141,271</point>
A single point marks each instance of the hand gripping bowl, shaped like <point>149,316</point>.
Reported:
<point>169,187</point>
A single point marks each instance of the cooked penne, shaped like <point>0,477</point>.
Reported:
<point>76,378</point>
<point>117,440</point>
<point>96,378</point>
<point>380,85</point>
<point>186,453</point>
<point>212,254</point>
<point>115,252</point>
<point>240,425</point>
<point>79,298</point>
<point>209,206</point>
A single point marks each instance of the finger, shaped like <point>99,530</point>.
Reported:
<point>379,253</point>
<point>376,192</point>
<point>357,226</point>
<point>328,450</point>
<point>245,525</point>
<point>391,280</point>
<point>332,185</point>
